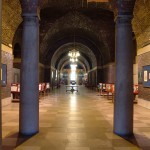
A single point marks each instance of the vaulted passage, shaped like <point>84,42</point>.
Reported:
<point>81,53</point>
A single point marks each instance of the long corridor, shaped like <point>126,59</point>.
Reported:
<point>75,121</point>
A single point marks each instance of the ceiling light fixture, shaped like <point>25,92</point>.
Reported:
<point>74,54</point>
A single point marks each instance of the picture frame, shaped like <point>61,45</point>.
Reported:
<point>4,75</point>
<point>146,76</point>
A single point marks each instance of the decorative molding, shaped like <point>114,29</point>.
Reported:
<point>46,66</point>
<point>125,6</point>
<point>6,48</point>
<point>17,60</point>
<point>53,68</point>
<point>143,50</point>
<point>92,69</point>
<point>41,65</point>
<point>29,8</point>
<point>102,67</point>
<point>124,19</point>
<point>107,65</point>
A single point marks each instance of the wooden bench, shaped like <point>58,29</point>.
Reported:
<point>108,90</point>
<point>15,90</point>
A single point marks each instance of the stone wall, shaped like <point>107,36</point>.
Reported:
<point>109,73</point>
<point>92,77</point>
<point>141,22</point>
<point>41,73</point>
<point>11,18</point>
<point>106,74</point>
<point>16,75</point>
<point>7,58</point>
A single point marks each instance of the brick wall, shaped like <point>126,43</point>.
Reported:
<point>141,22</point>
<point>106,74</point>
<point>11,18</point>
<point>92,78</point>
<point>143,60</point>
<point>109,73</point>
<point>7,58</point>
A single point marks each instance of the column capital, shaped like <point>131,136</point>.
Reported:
<point>124,19</point>
<point>125,7</point>
<point>30,20</point>
<point>30,7</point>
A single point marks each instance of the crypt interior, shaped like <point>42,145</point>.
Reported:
<point>39,39</point>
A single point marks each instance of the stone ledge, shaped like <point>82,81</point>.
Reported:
<point>143,50</point>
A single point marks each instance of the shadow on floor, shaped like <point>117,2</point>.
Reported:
<point>12,141</point>
<point>140,141</point>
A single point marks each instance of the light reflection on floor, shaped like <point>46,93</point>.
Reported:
<point>75,121</point>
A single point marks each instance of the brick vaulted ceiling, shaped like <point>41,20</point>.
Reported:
<point>93,21</point>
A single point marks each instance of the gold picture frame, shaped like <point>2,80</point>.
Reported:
<point>145,76</point>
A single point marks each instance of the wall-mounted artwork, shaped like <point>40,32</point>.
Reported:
<point>4,75</point>
<point>140,78</point>
<point>146,76</point>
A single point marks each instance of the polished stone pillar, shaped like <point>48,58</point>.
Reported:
<point>123,107</point>
<point>29,102</point>
<point>0,75</point>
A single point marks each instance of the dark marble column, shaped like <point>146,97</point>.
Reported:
<point>29,102</point>
<point>123,109</point>
<point>0,76</point>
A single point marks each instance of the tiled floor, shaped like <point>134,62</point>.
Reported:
<point>78,121</point>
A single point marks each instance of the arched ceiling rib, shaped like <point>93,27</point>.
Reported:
<point>81,60</point>
<point>97,12</point>
<point>84,30</point>
<point>75,4</point>
<point>84,40</point>
<point>83,49</point>
<point>67,62</point>
<point>68,37</point>
<point>86,60</point>
<point>11,18</point>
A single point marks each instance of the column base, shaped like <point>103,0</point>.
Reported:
<point>124,135</point>
<point>27,134</point>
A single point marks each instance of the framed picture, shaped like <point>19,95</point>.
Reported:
<point>4,75</point>
<point>140,78</point>
<point>146,76</point>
